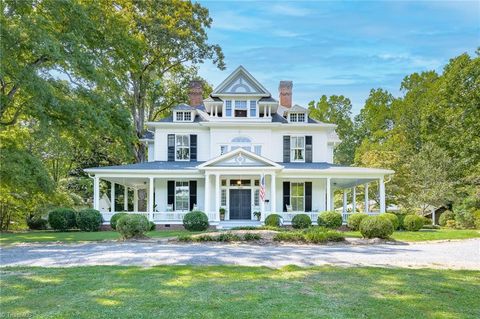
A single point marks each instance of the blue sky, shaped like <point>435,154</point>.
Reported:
<point>345,47</point>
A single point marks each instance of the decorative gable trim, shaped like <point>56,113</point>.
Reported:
<point>237,155</point>
<point>240,75</point>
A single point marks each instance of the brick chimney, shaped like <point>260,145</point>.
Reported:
<point>195,93</point>
<point>285,93</point>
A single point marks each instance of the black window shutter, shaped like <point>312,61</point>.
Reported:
<point>193,193</point>
<point>193,147</point>
<point>308,149</point>
<point>286,195</point>
<point>171,147</point>
<point>308,196</point>
<point>286,149</point>
<point>171,193</point>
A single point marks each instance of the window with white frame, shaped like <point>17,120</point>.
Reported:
<point>253,108</point>
<point>257,149</point>
<point>256,197</point>
<point>240,108</point>
<point>223,200</point>
<point>228,108</point>
<point>182,147</point>
<point>183,116</point>
<point>297,197</point>
<point>182,196</point>
<point>297,117</point>
<point>297,148</point>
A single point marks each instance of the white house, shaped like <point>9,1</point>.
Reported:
<point>218,152</point>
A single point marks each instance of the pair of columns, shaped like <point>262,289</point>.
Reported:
<point>381,190</point>
<point>267,111</point>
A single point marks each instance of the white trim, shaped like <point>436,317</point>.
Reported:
<point>235,152</point>
<point>236,72</point>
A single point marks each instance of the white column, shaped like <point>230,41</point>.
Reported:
<point>151,198</point>
<point>135,200</point>
<point>262,205</point>
<point>125,198</point>
<point>381,189</point>
<point>112,197</point>
<point>433,217</point>
<point>329,201</point>
<point>344,201</point>
<point>96,193</point>
<point>270,111</point>
<point>354,199</point>
<point>273,193</point>
<point>207,194</point>
<point>366,198</point>
<point>217,196</point>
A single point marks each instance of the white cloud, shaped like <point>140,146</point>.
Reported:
<point>289,10</point>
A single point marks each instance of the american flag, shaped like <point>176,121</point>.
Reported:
<point>262,188</point>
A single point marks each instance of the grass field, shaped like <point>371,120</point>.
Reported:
<point>237,292</point>
<point>428,234</point>
<point>75,236</point>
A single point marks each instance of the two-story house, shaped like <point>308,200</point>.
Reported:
<point>242,150</point>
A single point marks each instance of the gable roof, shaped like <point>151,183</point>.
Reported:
<point>241,158</point>
<point>240,78</point>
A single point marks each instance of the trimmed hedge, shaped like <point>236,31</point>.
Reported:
<point>330,219</point>
<point>133,226</point>
<point>354,220</point>
<point>62,219</point>
<point>413,222</point>
<point>195,221</point>
<point>37,223</point>
<point>393,218</point>
<point>445,216</point>
<point>376,227</point>
<point>301,221</point>
<point>313,235</point>
<point>114,219</point>
<point>89,219</point>
<point>273,220</point>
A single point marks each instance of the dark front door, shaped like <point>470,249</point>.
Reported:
<point>240,203</point>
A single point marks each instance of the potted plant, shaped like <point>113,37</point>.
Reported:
<point>222,213</point>
<point>257,215</point>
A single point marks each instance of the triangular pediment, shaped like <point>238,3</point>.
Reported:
<point>239,158</point>
<point>240,82</point>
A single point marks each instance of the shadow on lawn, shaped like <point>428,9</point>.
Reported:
<point>239,292</point>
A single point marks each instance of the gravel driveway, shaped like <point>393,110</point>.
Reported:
<point>463,254</point>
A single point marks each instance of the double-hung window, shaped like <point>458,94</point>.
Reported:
<point>182,147</point>
<point>297,197</point>
<point>182,196</point>
<point>228,108</point>
<point>297,148</point>
<point>183,116</point>
<point>297,117</point>
<point>253,108</point>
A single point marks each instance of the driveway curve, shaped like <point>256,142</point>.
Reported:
<point>464,254</point>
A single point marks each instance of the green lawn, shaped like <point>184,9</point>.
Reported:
<point>237,292</point>
<point>428,234</point>
<point>74,236</point>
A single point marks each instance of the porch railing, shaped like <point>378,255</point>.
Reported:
<point>159,216</point>
<point>288,216</point>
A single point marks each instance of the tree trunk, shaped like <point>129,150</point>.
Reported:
<point>138,115</point>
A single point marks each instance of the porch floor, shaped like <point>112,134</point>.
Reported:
<point>229,224</point>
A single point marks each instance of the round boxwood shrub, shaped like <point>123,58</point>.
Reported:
<point>413,222</point>
<point>393,218</point>
<point>446,215</point>
<point>37,223</point>
<point>114,219</point>
<point>62,219</point>
<point>354,220</point>
<point>89,219</point>
<point>301,221</point>
<point>376,227</point>
<point>133,226</point>
<point>195,221</point>
<point>273,220</point>
<point>330,219</point>
<point>152,226</point>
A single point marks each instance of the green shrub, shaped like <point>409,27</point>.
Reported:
<point>446,215</point>
<point>430,226</point>
<point>62,219</point>
<point>401,216</point>
<point>413,222</point>
<point>464,219</point>
<point>451,224</point>
<point>376,227</point>
<point>273,220</point>
<point>391,217</point>
<point>195,221</point>
<point>292,236</point>
<point>301,221</point>
<point>330,220</point>
<point>476,218</point>
<point>204,238</point>
<point>228,237</point>
<point>250,236</point>
<point>245,228</point>
<point>89,219</point>
<point>185,238</point>
<point>133,226</point>
<point>115,218</point>
<point>314,235</point>
<point>152,226</point>
<point>37,223</point>
<point>354,220</point>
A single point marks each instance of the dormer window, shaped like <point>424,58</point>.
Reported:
<point>297,117</point>
<point>183,116</point>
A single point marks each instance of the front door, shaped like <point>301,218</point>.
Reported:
<point>240,203</point>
